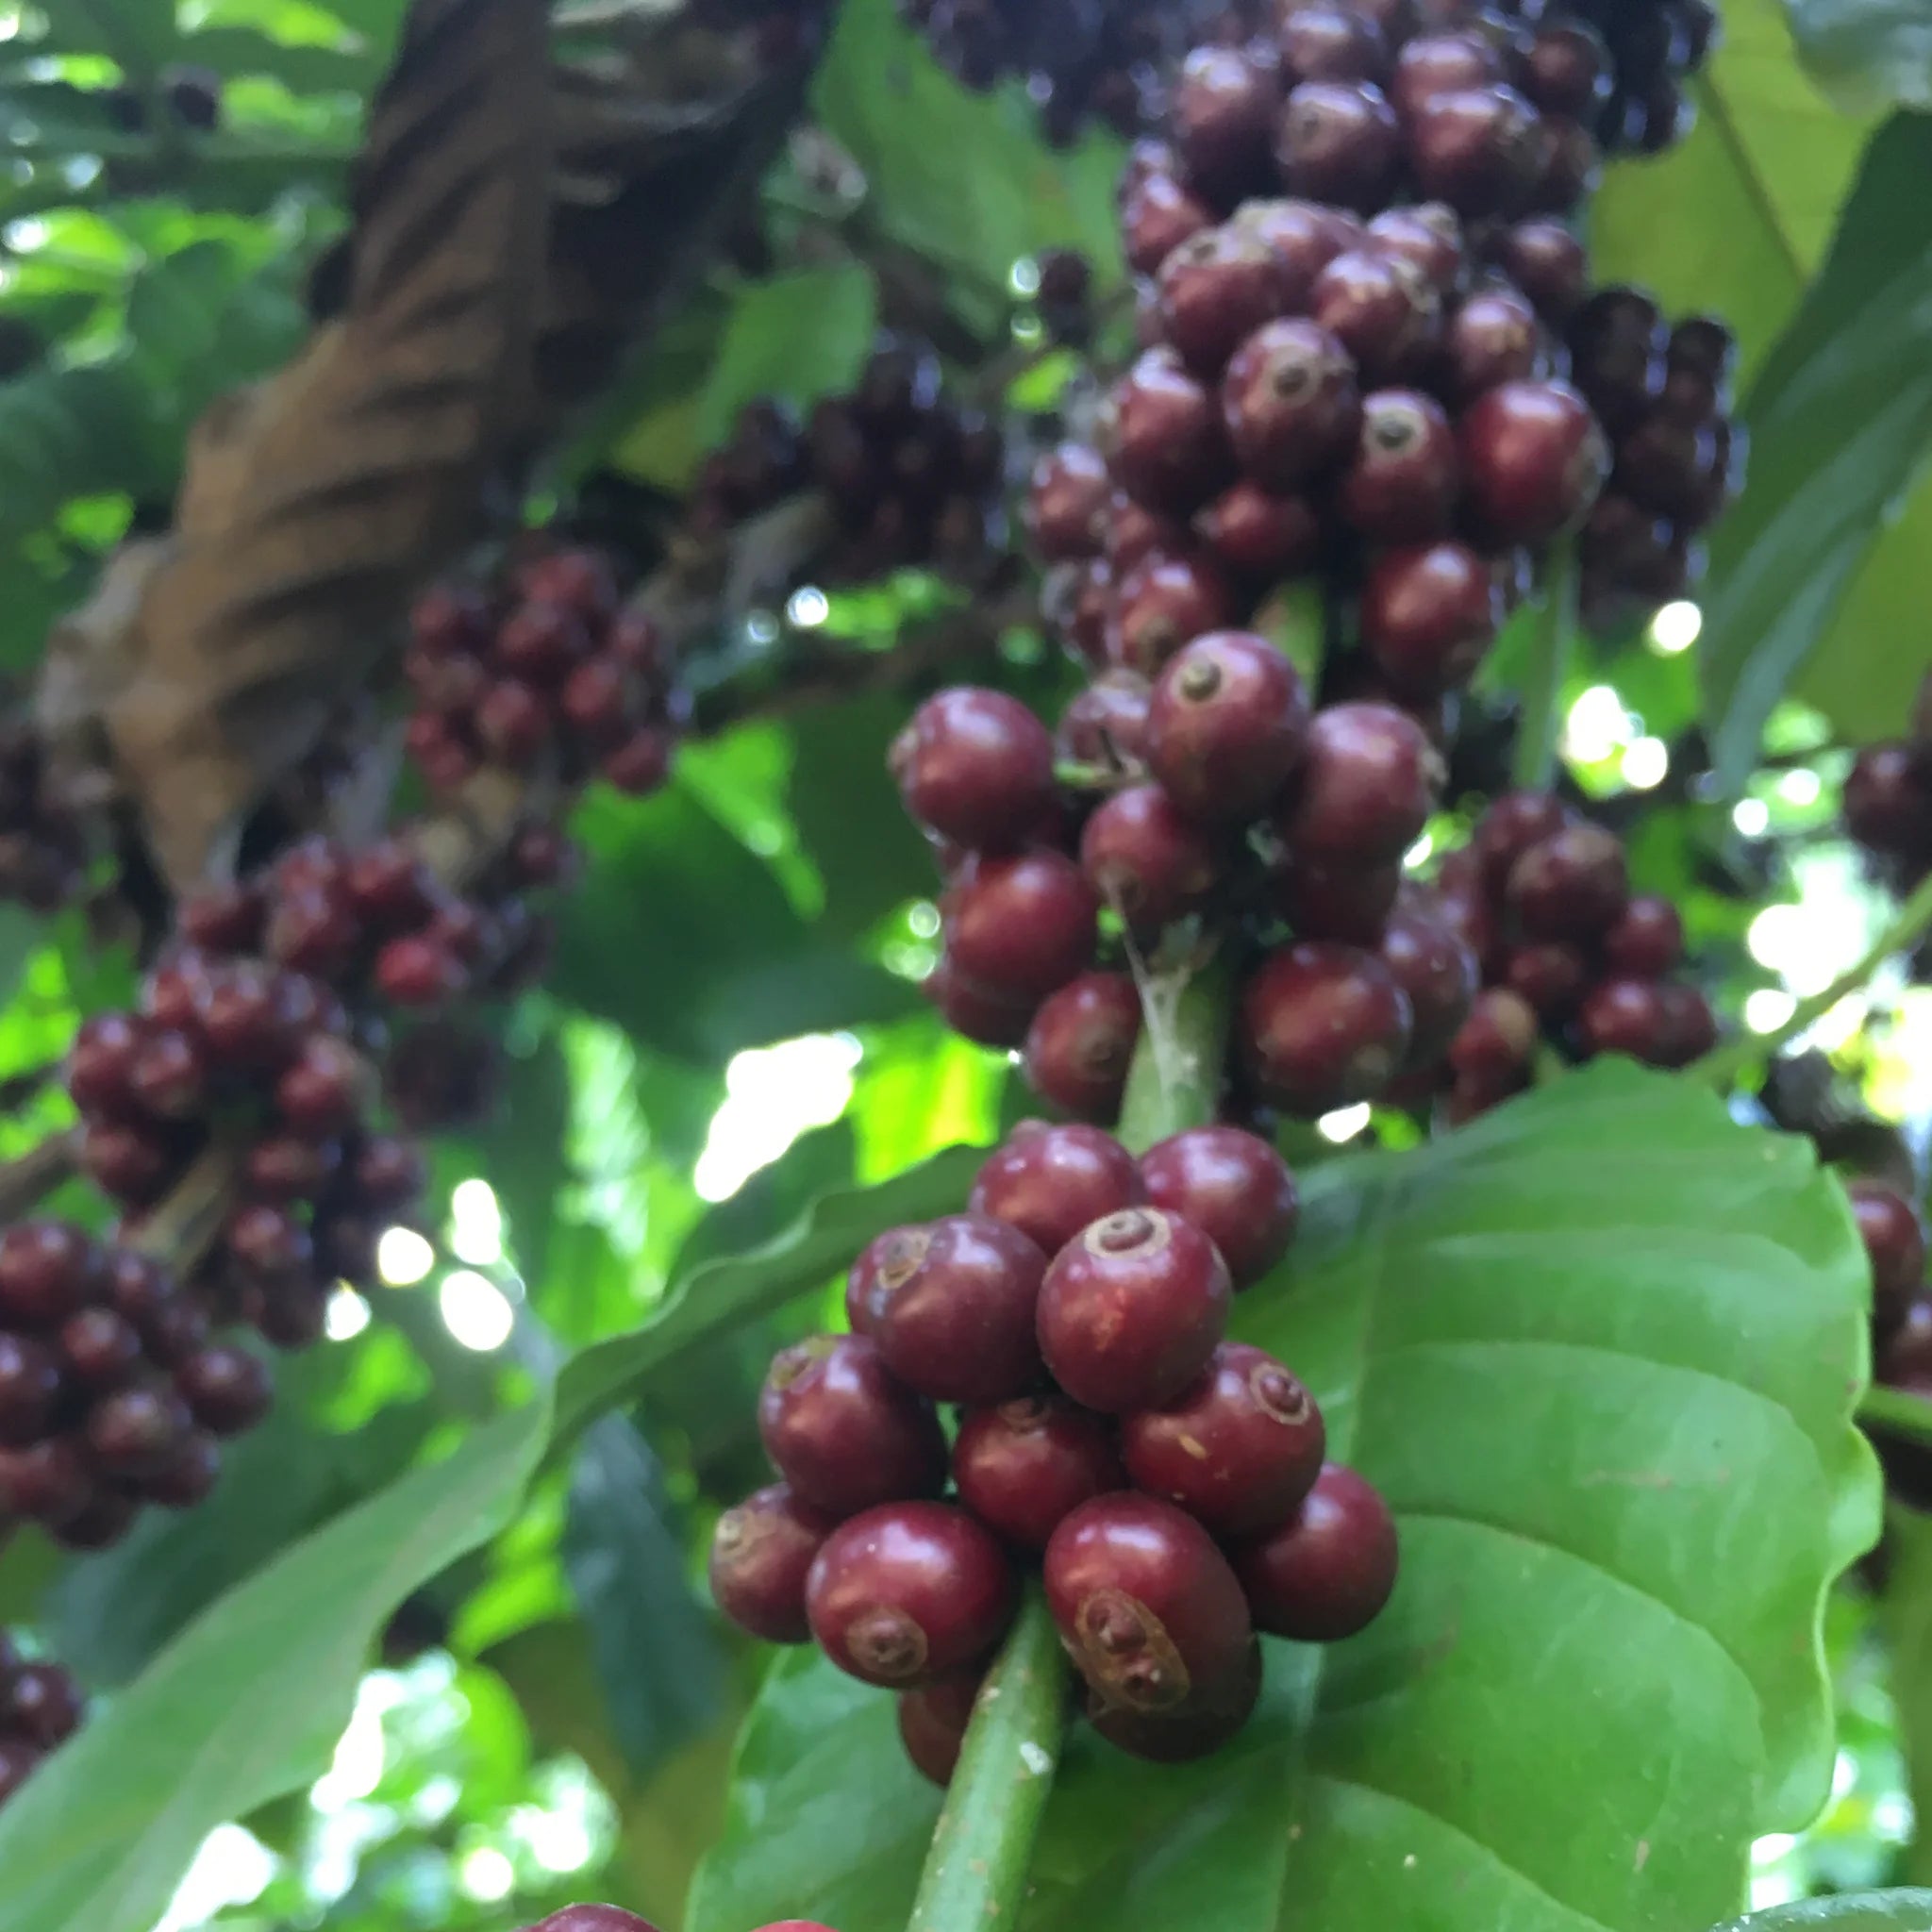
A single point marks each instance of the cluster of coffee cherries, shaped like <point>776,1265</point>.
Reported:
<point>1888,803</point>
<point>1171,1484</point>
<point>550,671</point>
<point>1655,46</point>
<point>1894,1234</point>
<point>910,476</point>
<point>1569,953</point>
<point>43,851</point>
<point>1664,395</point>
<point>41,1707</point>
<point>113,1393</point>
<point>613,1919</point>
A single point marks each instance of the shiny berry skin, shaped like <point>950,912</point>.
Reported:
<point>1162,435</point>
<point>1304,237</point>
<point>1157,216</point>
<point>1291,403</point>
<point>908,1594</point>
<point>1067,502</point>
<point>1893,1232</point>
<point>932,1724</point>
<point>1436,968</point>
<point>136,1432</point>
<point>898,1248</point>
<point>1624,1016</point>
<point>1216,290</point>
<point>1327,1574</point>
<point>1023,1467</point>
<point>43,1705</point>
<point>1507,829</point>
<point>128,1165</point>
<point>1147,1605</point>
<point>1572,885</point>
<point>228,1388</point>
<point>1051,1182</point>
<point>102,1061</point>
<point>1209,1718</point>
<point>843,1432</point>
<point>1238,1448</point>
<point>1568,69</point>
<point>975,766</point>
<point>1382,309</point>
<point>419,971</point>
<point>1104,724</point>
<point>1227,727</point>
<point>1223,116</point>
<point>48,1269</point>
<point>639,765</point>
<point>761,1554</point>
<point>1429,65</point>
<point>593,1918</point>
<point>1647,939</point>
<point>1493,338</point>
<point>102,1350</point>
<point>951,1311</point>
<point>1367,785</point>
<point>324,1094</point>
<point>1132,533</point>
<point>1548,263</point>
<point>1690,1028</point>
<point>1533,460</point>
<point>1338,141</point>
<point>1324,1026</point>
<point>1259,535</point>
<point>1331,43</point>
<point>1428,236</point>
<point>1232,1186</point>
<point>1146,860</point>
<point>269,1244</point>
<point>31,1386</point>
<point>1081,1046</point>
<point>1429,615</point>
<point>1401,485</point>
<point>1164,603</point>
<point>1131,1312</point>
<point>1551,976</point>
<point>990,1015</point>
<point>1478,149</point>
<point>1022,926</point>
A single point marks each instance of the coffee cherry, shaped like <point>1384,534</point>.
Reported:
<point>1215,291</point>
<point>1147,1608</point>
<point>1051,1182</point>
<point>932,1724</point>
<point>1022,926</point>
<point>1507,829</point>
<point>1131,1312</point>
<point>176,994</point>
<point>1132,533</point>
<point>1081,1046</point>
<point>1551,976</point>
<point>1569,169</point>
<point>908,1594</point>
<point>1888,801</point>
<point>1162,437</point>
<point>49,1482</point>
<point>30,1389</point>
<point>1227,727</point>
<point>1493,338</point>
<point>640,764</point>
<point>1477,148</point>
<point>1066,503</point>
<point>128,1164</point>
<point>1572,886</point>
<point>1368,783</point>
<point>101,1065</point>
<point>1893,1232</point>
<point>1533,459</point>
<point>1232,1186</point>
<point>228,1388</point>
<point>1327,1574</point>
<point>1303,235</point>
<point>975,766</point>
<point>1568,69</point>
<point>898,1249</point>
<point>1625,1016</point>
<point>1106,722</point>
<point>48,1269</point>
<point>1428,236</point>
<point>1223,116</point>
<point>1322,1026</point>
<point>101,1348</point>
<point>1148,861</point>
<point>1259,535</point>
<point>1337,901</point>
<point>842,1432</point>
<point>761,1556</point>
<point>418,970</point>
<point>1402,484</point>
<point>1647,939</point>
<point>1210,1717</point>
<point>1618,350</point>
<point>1331,43</point>
<point>1338,141</point>
<point>1163,602</point>
<point>1439,972</point>
<point>1384,311</point>
<point>43,1705</point>
<point>1023,1467</point>
<point>1157,216</point>
<point>136,1432</point>
<point>1547,261</point>
<point>1432,64</point>
<point>976,1013</point>
<point>593,1918</point>
<point>324,1093</point>
<point>189,1477</point>
<point>1430,614</point>
<point>1290,402</point>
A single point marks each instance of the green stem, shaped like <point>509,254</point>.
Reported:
<point>976,1873</point>
<point>1549,671</point>
<point>1177,1076</point>
<point>1728,1063</point>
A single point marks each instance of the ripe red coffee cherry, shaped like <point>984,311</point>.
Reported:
<point>1551,976</point>
<point>951,1310</point>
<point>1323,43</point>
<point>1436,968</point>
<point>136,1433</point>
<point>229,1390</point>
<point>1132,533</point>
<point>1368,783</point>
<point>1162,603</point>
<point>128,1164</point>
<point>1572,885</point>
<point>1430,64</point>
<point>1157,216</point>
<point>1479,149</point>
<point>1226,725</point>
<point>1212,1717</point>
<point>978,1012</point>
<point>1428,236</point>
<point>843,1432</point>
<point>1547,261</point>
<point>1337,901</point>
<point>1146,860</point>
<point>1023,1467</point>
<point>1216,290</point>
<point>1259,535</point>
<point>324,1093</point>
<point>1106,722</point>
<point>908,1594</point>
<point>1893,1232</point>
<point>1235,1188</point>
<point>1131,1312</point>
<point>1051,1182</point>
<point>1507,829</point>
<point>31,1386</point>
<point>102,1061</point>
<point>1291,403</point>
<point>1383,310</point>
<point>1147,1605</point>
<point>1067,502</point>
<point>1327,1574</point>
<point>975,766</point>
<point>1237,1449</point>
<point>1533,459</point>
<point>897,1247</point>
<point>761,1556</point>
<point>1401,486</point>
<point>1305,237</point>
<point>1162,437</point>
<point>1493,338</point>
<point>1022,927</point>
<point>1222,117</point>
<point>593,1918</point>
<point>419,971</point>
<point>1338,141</point>
<point>1081,1046</point>
<point>1647,940</point>
<point>101,1349</point>
<point>932,1724</point>
<point>48,1269</point>
<point>1429,615</point>
<point>1324,1026</point>
<point>1625,1016</point>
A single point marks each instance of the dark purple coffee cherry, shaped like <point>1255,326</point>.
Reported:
<point>1338,141</point>
<point>102,1350</point>
<point>991,1015</point>
<point>189,1477</point>
<point>761,1555</point>
<point>1022,926</point>
<point>269,1245</point>
<point>1888,807</point>
<point>1324,43</point>
<point>1147,1608</point>
<point>1568,70</point>
<point>48,1482</point>
<point>48,1269</point>
<point>1573,885</point>
<point>1238,1448</point>
<point>1647,939</point>
<point>1104,724</point>
<point>1368,783</point>
<point>101,1063</point>
<point>1507,829</point>
<point>908,1594</point>
<point>1081,1046</point>
<point>1429,615</point>
<point>1384,311</point>
<point>1161,434</point>
<point>1232,1186</point>
<point>1148,861</point>
<point>1051,1182</point>
<point>1067,502</point>
<point>1533,460</point>
<point>1549,264</point>
<point>1216,290</point>
<point>1261,535</point>
<point>1624,1016</point>
<point>1226,725</point>
<point>1551,976</point>
<point>1328,1572</point>
<point>1324,1026</point>
<point>1893,1232</point>
<point>43,1705</point>
<point>1023,1467</point>
<point>1618,352</point>
<point>1209,1718</point>
<point>1156,218</point>
<point>1493,338</point>
<point>1223,118</point>
<point>1131,1312</point>
<point>229,1388</point>
<point>1436,968</point>
<point>1479,149</point>
<point>1402,485</point>
<point>136,1433</point>
<point>31,1386</point>
<point>933,1722</point>
<point>1428,236</point>
<point>975,766</point>
<point>843,1432</point>
<point>1671,468</point>
<point>1162,602</point>
<point>1496,1045</point>
<point>1432,64</point>
<point>1291,403</point>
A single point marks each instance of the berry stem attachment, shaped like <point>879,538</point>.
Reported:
<point>1729,1064</point>
<point>975,1872</point>
<point>1175,1079</point>
<point>1552,646</point>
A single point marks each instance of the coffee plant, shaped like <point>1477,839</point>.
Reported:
<point>964,965</point>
